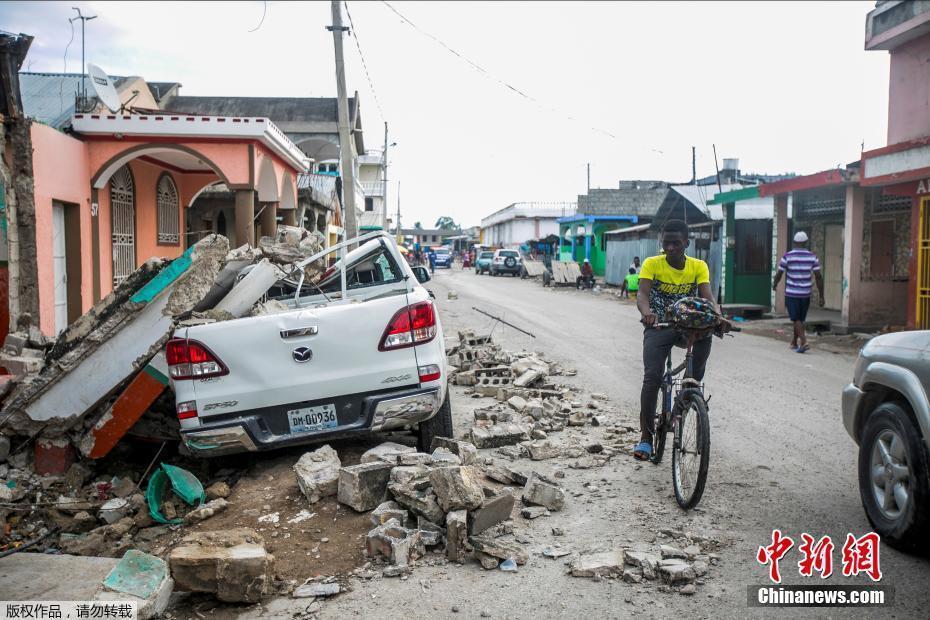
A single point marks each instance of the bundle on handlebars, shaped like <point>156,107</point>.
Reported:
<point>696,314</point>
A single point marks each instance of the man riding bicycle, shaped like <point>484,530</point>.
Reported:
<point>663,280</point>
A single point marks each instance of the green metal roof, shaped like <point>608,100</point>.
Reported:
<point>744,193</point>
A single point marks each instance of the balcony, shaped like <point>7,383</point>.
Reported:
<point>892,24</point>
<point>372,188</point>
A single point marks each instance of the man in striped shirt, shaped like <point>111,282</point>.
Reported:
<point>802,269</point>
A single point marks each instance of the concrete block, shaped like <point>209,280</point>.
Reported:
<point>387,452</point>
<point>498,435</point>
<point>500,549</point>
<point>602,564</point>
<point>541,492</point>
<point>232,564</point>
<point>394,542</point>
<point>517,403</point>
<point>491,512</point>
<point>463,449</point>
<point>363,486</point>
<point>444,457</point>
<point>456,535</point>
<point>457,487</point>
<point>542,450</point>
<point>318,473</point>
<point>422,502</point>
<point>141,578</point>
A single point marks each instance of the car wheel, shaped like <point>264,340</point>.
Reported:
<point>440,425</point>
<point>894,478</point>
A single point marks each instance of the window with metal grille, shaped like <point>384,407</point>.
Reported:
<point>168,207</point>
<point>890,204</point>
<point>122,224</point>
<point>812,208</point>
<point>881,249</point>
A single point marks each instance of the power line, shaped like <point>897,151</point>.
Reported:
<point>488,74</point>
<point>354,34</point>
<point>61,83</point>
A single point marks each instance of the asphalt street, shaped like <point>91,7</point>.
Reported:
<point>781,459</point>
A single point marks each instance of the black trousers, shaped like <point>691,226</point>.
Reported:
<point>657,343</point>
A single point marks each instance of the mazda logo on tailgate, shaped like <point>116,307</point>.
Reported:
<point>302,354</point>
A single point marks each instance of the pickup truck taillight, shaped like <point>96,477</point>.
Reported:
<point>189,359</point>
<point>413,325</point>
<point>187,410</point>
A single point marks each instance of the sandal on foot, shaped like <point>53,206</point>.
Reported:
<point>804,348</point>
<point>642,451</point>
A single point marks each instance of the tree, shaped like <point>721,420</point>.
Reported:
<point>418,226</point>
<point>446,223</point>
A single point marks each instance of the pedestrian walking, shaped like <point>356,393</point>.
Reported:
<point>801,269</point>
<point>635,265</point>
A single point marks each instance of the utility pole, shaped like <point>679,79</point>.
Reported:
<point>693,166</point>
<point>84,20</point>
<point>399,230</point>
<point>384,166</point>
<point>589,178</point>
<point>345,147</point>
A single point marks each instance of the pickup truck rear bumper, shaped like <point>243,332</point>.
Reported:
<point>250,432</point>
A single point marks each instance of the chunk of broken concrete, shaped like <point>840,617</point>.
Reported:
<point>207,510</point>
<point>139,578</point>
<point>456,535</point>
<point>457,487</point>
<point>232,564</point>
<point>542,450</point>
<point>517,403</point>
<point>442,457</point>
<point>541,492</point>
<point>114,510</point>
<point>534,512</point>
<point>387,452</point>
<point>493,511</point>
<point>364,486</point>
<point>217,490</point>
<point>309,590</point>
<point>676,571</point>
<point>420,501</point>
<point>504,474</point>
<point>392,541</point>
<point>318,473</point>
<point>387,511</point>
<point>464,450</point>
<point>495,547</point>
<point>601,564</point>
<point>498,435</point>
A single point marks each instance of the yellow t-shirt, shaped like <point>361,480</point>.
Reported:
<point>670,284</point>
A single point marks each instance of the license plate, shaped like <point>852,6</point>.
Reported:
<point>311,419</point>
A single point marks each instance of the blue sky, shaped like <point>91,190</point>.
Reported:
<point>781,86</point>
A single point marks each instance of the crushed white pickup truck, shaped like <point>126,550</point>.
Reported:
<point>356,350</point>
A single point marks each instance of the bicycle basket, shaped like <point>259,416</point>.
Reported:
<point>693,313</point>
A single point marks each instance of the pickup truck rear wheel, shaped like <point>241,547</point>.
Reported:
<point>894,477</point>
<point>440,425</point>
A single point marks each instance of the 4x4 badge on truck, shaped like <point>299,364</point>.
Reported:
<point>302,354</point>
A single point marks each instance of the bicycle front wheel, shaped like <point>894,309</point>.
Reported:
<point>659,432</point>
<point>691,452</point>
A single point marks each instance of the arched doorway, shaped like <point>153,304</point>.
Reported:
<point>123,224</point>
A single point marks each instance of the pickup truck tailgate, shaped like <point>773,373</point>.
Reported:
<point>303,355</point>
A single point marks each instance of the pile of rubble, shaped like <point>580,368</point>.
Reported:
<point>678,569</point>
<point>430,502</point>
<point>531,406</point>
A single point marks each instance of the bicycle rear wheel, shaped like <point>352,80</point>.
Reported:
<point>691,452</point>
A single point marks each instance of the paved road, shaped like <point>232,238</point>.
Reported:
<point>780,459</point>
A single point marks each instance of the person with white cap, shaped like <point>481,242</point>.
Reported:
<point>801,269</point>
<point>586,279</point>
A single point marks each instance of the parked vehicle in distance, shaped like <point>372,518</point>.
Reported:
<point>483,262</point>
<point>343,360</point>
<point>443,257</point>
<point>885,410</point>
<point>506,261</point>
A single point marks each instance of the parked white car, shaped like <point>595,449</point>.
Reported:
<point>352,356</point>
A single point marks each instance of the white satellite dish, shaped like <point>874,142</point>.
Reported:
<point>104,88</point>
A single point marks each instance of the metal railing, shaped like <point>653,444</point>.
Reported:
<point>372,188</point>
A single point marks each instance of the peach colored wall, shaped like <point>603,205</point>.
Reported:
<point>145,178</point>
<point>60,166</point>
<point>280,170</point>
<point>231,158</point>
<point>909,91</point>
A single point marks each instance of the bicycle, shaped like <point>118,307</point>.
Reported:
<point>685,414</point>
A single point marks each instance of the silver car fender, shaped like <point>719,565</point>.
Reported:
<point>907,383</point>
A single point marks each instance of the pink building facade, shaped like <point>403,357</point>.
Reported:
<point>116,193</point>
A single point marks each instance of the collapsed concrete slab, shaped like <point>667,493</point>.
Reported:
<point>232,564</point>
